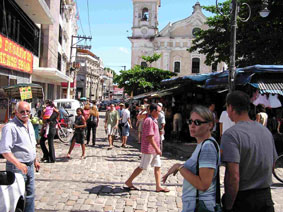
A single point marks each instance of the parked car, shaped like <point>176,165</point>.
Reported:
<point>70,105</point>
<point>103,105</point>
<point>12,192</point>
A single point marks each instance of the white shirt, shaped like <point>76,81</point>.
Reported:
<point>226,121</point>
<point>125,115</point>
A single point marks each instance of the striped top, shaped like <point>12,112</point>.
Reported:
<point>150,127</point>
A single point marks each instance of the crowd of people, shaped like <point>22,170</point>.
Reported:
<point>246,149</point>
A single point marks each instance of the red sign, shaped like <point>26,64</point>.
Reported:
<point>65,84</point>
<point>15,57</point>
<point>118,91</point>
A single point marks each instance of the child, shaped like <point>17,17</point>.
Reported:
<point>47,112</point>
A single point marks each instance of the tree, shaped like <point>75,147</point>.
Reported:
<point>259,40</point>
<point>151,59</point>
<point>140,80</point>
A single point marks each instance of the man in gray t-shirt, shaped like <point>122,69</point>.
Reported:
<point>249,153</point>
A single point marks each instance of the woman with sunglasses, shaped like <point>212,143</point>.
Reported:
<point>201,123</point>
<point>78,137</point>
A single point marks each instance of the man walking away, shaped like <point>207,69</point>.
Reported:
<point>126,123</point>
<point>18,147</point>
<point>249,154</point>
<point>150,148</point>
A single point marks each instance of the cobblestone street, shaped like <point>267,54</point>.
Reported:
<point>96,183</point>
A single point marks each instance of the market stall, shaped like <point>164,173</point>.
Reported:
<point>12,94</point>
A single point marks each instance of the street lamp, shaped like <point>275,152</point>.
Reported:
<point>234,14</point>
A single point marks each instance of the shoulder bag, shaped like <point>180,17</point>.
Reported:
<point>200,206</point>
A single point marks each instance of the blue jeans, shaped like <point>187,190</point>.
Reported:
<point>30,188</point>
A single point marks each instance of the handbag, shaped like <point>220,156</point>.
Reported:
<point>200,206</point>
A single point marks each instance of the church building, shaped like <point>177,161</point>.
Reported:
<point>171,42</point>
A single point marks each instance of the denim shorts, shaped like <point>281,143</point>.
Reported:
<point>126,130</point>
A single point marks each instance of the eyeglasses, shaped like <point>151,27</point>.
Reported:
<point>24,111</point>
<point>196,122</point>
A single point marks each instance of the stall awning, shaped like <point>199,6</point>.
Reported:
<point>51,74</point>
<point>269,87</point>
<point>166,92</point>
<point>14,92</point>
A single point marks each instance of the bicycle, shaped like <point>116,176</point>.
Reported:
<point>278,168</point>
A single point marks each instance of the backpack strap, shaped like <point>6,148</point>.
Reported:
<point>217,169</point>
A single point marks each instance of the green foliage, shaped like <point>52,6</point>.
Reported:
<point>151,59</point>
<point>259,40</point>
<point>140,80</point>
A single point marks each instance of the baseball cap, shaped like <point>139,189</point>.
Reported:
<point>121,104</point>
<point>160,104</point>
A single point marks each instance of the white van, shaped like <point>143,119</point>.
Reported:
<point>70,105</point>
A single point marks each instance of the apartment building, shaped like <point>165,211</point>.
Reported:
<point>56,72</point>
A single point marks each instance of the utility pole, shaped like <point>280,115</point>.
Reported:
<point>74,45</point>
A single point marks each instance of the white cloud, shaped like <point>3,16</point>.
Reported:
<point>124,50</point>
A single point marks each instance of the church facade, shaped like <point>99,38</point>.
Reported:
<point>171,42</point>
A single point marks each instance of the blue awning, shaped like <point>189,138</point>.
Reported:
<point>269,87</point>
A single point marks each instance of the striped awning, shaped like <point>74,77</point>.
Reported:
<point>269,87</point>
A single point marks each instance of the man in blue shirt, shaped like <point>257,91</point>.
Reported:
<point>18,147</point>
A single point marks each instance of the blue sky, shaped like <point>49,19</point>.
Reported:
<point>111,22</point>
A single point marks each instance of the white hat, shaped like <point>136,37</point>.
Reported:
<point>160,104</point>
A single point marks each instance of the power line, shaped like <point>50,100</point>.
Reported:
<point>79,18</point>
<point>88,19</point>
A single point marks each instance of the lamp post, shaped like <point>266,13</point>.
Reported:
<point>233,37</point>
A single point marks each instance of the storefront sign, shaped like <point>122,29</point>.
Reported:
<point>15,57</point>
<point>26,93</point>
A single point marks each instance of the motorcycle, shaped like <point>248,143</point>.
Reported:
<point>64,129</point>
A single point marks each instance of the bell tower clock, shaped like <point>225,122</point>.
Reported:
<point>145,23</point>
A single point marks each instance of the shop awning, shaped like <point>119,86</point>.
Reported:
<point>51,74</point>
<point>166,92</point>
<point>14,92</point>
<point>269,87</point>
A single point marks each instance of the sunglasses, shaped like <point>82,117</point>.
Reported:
<point>196,122</point>
<point>24,111</point>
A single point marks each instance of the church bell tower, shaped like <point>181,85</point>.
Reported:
<point>145,22</point>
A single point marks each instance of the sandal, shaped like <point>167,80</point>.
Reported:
<point>165,190</point>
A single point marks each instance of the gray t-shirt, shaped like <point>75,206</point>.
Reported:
<point>251,145</point>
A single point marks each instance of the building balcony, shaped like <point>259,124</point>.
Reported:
<point>51,74</point>
<point>36,10</point>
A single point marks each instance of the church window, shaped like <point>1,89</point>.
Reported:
<point>143,64</point>
<point>177,67</point>
<point>195,30</point>
<point>195,65</point>
<point>214,67</point>
<point>144,14</point>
